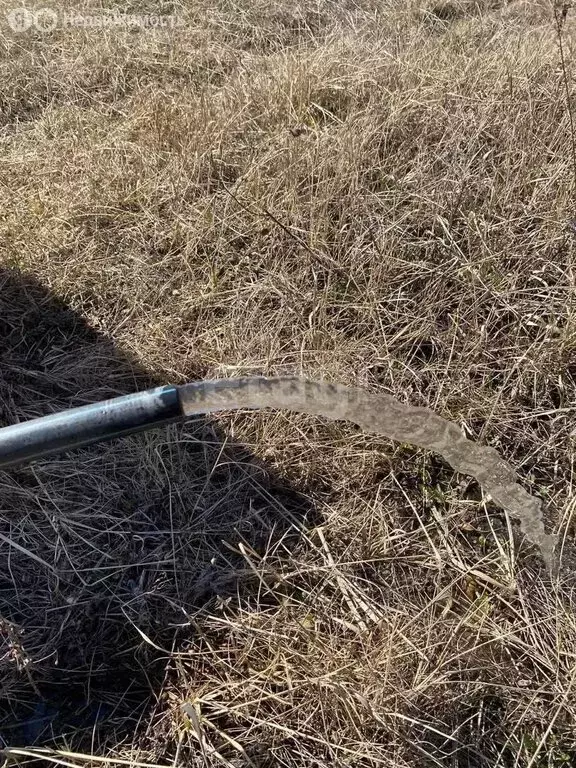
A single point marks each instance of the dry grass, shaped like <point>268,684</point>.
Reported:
<point>369,191</point>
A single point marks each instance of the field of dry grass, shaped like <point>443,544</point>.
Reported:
<point>375,192</point>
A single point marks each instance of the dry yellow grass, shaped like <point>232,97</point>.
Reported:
<point>369,191</point>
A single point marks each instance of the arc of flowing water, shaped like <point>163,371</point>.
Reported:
<point>387,416</point>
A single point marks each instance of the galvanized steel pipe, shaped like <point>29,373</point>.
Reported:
<point>76,427</point>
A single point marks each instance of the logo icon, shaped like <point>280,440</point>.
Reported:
<point>20,19</point>
<point>45,20</point>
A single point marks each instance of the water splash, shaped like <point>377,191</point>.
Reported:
<point>387,416</point>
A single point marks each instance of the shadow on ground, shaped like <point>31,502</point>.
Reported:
<point>106,553</point>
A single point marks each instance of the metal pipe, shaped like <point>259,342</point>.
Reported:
<point>76,427</point>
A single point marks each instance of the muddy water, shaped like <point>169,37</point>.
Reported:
<point>387,416</point>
